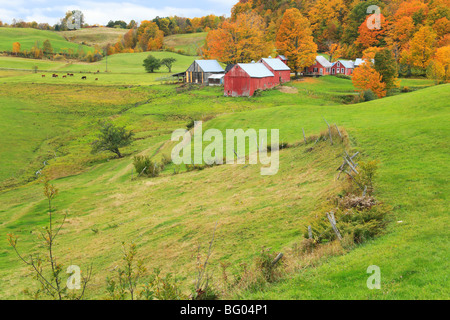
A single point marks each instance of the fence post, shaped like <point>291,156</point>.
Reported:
<point>333,225</point>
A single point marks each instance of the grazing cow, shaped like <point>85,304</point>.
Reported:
<point>96,79</point>
<point>83,78</point>
<point>71,74</point>
<point>98,71</point>
<point>64,76</point>
<point>43,76</point>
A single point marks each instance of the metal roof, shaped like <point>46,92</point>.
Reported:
<point>359,61</point>
<point>346,63</point>
<point>210,65</point>
<point>217,76</point>
<point>256,70</point>
<point>282,57</point>
<point>324,62</point>
<point>276,64</point>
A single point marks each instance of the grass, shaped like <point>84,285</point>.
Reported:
<point>169,216</point>
<point>28,37</point>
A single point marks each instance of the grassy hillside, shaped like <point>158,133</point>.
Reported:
<point>169,216</point>
<point>189,43</point>
<point>94,36</point>
<point>27,38</point>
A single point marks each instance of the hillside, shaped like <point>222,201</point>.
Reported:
<point>27,38</point>
<point>169,216</point>
<point>188,43</point>
<point>94,36</point>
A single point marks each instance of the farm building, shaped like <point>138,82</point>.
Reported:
<point>360,61</point>
<point>283,58</point>
<point>321,67</point>
<point>216,79</point>
<point>342,67</point>
<point>201,70</point>
<point>281,71</point>
<point>245,78</point>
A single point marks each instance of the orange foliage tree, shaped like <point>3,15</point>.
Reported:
<point>238,41</point>
<point>16,48</point>
<point>294,40</point>
<point>365,77</point>
<point>371,37</point>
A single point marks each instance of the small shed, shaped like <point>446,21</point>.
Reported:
<point>281,71</point>
<point>216,79</point>
<point>245,78</point>
<point>321,67</point>
<point>342,67</point>
<point>201,70</point>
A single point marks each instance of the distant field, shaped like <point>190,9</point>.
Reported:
<point>189,43</point>
<point>94,36</point>
<point>124,68</point>
<point>27,38</point>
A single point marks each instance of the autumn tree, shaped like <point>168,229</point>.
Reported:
<point>365,77</point>
<point>421,48</point>
<point>238,41</point>
<point>386,66</point>
<point>294,40</point>
<point>371,37</point>
<point>439,67</point>
<point>16,48</point>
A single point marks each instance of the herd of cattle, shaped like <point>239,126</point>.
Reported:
<point>54,75</point>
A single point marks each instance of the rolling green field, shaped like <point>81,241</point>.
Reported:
<point>123,69</point>
<point>55,120</point>
<point>27,38</point>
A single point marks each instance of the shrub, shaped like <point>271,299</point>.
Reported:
<point>145,166</point>
<point>264,264</point>
<point>367,173</point>
<point>405,89</point>
<point>343,76</point>
<point>369,95</point>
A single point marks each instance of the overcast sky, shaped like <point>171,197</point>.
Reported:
<point>104,10</point>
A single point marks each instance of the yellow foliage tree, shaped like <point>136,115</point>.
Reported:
<point>421,47</point>
<point>365,77</point>
<point>294,40</point>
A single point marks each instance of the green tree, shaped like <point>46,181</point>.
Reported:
<point>168,62</point>
<point>111,138</point>
<point>152,64</point>
<point>48,49</point>
<point>386,66</point>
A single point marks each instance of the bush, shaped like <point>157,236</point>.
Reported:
<point>145,166</point>
<point>343,76</point>
<point>369,95</point>
<point>405,89</point>
<point>367,173</point>
<point>264,263</point>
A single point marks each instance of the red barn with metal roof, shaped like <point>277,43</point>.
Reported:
<point>245,78</point>
<point>281,71</point>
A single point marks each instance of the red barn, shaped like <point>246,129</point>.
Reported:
<point>321,67</point>
<point>245,78</point>
<point>283,58</point>
<point>281,71</point>
<point>342,67</point>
